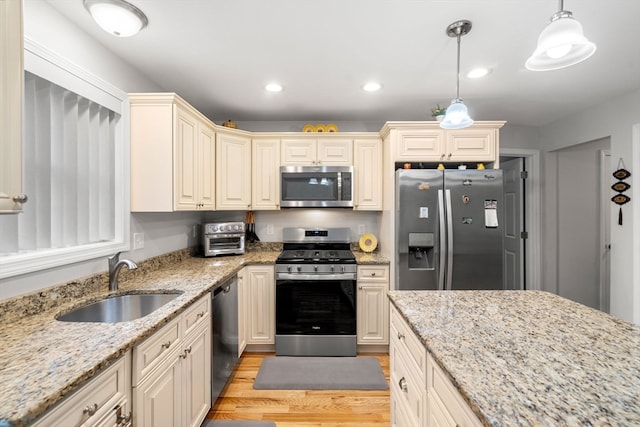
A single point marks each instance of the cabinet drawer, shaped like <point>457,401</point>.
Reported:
<point>196,314</point>
<point>94,401</point>
<point>373,273</point>
<point>441,388</point>
<point>403,337</point>
<point>147,355</point>
<point>407,387</point>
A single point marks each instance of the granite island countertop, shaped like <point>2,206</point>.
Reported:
<point>43,360</point>
<point>530,358</point>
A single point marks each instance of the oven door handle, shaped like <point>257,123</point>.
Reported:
<point>340,276</point>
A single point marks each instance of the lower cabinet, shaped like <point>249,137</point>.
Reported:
<point>260,303</point>
<point>421,393</point>
<point>172,371</point>
<point>104,401</point>
<point>373,304</point>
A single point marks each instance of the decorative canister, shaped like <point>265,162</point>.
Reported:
<point>230,124</point>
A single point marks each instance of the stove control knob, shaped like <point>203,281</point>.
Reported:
<point>343,268</point>
<point>315,268</point>
<point>299,269</point>
<point>333,267</point>
<point>289,268</point>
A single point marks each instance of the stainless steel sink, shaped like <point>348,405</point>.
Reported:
<point>119,308</point>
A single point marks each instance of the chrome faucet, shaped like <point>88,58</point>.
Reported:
<point>115,264</point>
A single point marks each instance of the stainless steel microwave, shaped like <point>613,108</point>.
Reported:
<point>316,186</point>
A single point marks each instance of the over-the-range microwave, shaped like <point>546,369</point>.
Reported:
<point>316,186</point>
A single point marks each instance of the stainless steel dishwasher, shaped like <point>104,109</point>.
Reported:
<point>224,342</point>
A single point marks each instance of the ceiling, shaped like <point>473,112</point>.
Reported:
<point>219,54</point>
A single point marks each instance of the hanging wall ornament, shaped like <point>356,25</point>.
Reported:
<point>620,187</point>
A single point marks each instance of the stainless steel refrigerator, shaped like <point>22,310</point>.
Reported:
<point>449,229</point>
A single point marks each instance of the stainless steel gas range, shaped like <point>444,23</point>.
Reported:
<point>316,293</point>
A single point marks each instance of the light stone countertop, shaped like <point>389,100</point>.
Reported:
<point>530,358</point>
<point>43,360</point>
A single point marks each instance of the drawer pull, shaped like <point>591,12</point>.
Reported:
<point>400,336</point>
<point>122,420</point>
<point>201,314</point>
<point>166,345</point>
<point>403,385</point>
<point>90,410</point>
<point>373,274</point>
<point>186,353</point>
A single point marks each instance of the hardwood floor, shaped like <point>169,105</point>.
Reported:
<point>300,408</point>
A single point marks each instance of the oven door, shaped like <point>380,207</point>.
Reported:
<point>315,317</point>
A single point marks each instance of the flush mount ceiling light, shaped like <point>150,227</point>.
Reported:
<point>274,87</point>
<point>457,116</point>
<point>478,73</point>
<point>117,17</point>
<point>561,44</point>
<point>371,87</point>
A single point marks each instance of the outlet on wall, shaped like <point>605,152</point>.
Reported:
<point>361,229</point>
<point>269,229</point>
<point>138,240</point>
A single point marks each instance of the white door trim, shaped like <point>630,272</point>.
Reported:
<point>605,229</point>
<point>532,213</point>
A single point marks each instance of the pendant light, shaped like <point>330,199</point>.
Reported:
<point>561,44</point>
<point>117,17</point>
<point>457,116</point>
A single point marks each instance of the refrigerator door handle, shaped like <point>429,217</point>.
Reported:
<point>449,220</point>
<point>442,248</point>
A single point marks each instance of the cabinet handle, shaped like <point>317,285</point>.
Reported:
<point>166,345</point>
<point>20,198</point>
<point>201,314</point>
<point>373,274</point>
<point>90,410</point>
<point>400,336</point>
<point>442,156</point>
<point>360,287</point>
<point>122,420</point>
<point>449,156</point>
<point>403,385</point>
<point>186,352</point>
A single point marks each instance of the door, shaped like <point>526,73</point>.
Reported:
<point>513,223</point>
<point>474,229</point>
<point>418,231</point>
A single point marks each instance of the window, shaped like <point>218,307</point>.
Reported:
<point>75,169</point>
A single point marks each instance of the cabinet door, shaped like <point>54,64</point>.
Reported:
<point>233,172</point>
<point>420,145</point>
<point>373,305</point>
<point>335,152</point>
<point>471,144</point>
<point>243,310</point>
<point>266,174</point>
<point>298,152</point>
<point>197,376</point>
<point>158,400</point>
<point>207,167</point>
<point>11,81</point>
<point>368,170</point>
<point>262,320</point>
<point>185,160</point>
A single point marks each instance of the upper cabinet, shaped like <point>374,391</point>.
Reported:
<point>11,89</point>
<point>233,170</point>
<point>265,185</point>
<point>427,142</point>
<point>317,152</point>
<point>172,147</point>
<point>368,174</point>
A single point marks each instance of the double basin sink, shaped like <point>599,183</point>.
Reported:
<point>119,308</point>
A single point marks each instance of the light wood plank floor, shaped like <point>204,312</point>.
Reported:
<point>300,408</point>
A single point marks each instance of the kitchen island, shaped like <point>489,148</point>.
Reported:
<point>529,358</point>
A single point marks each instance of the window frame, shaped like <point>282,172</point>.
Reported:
<point>53,67</point>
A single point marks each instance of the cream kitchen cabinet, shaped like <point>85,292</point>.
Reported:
<point>243,307</point>
<point>233,170</point>
<point>104,401</point>
<point>172,371</point>
<point>265,180</point>
<point>172,155</point>
<point>11,87</point>
<point>368,174</point>
<point>317,152</point>
<point>261,304</point>
<point>372,304</point>
<point>446,406</point>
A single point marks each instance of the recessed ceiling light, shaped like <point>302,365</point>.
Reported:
<point>477,73</point>
<point>371,87</point>
<point>274,87</point>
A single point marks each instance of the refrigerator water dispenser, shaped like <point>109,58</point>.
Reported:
<point>421,251</point>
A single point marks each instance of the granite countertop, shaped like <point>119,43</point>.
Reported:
<point>530,358</point>
<point>43,360</point>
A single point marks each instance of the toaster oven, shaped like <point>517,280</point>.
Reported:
<point>222,238</point>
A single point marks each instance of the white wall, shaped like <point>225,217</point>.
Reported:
<point>615,118</point>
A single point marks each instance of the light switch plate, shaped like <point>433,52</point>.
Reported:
<point>138,240</point>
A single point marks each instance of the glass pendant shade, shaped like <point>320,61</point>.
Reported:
<point>117,17</point>
<point>457,116</point>
<point>561,44</point>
